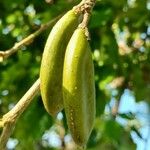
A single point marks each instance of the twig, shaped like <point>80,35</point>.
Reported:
<point>26,41</point>
<point>121,83</point>
<point>114,109</point>
<point>10,118</point>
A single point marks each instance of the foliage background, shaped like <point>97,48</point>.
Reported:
<point>120,42</point>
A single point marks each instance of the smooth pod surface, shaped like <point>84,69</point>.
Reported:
<point>79,87</point>
<point>52,62</point>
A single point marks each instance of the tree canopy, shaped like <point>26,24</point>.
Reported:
<point>120,43</point>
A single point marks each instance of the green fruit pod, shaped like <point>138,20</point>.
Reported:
<point>79,87</point>
<point>52,62</point>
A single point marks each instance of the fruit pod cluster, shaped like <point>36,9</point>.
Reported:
<point>67,76</point>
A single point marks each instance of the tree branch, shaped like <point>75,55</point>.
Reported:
<point>120,83</point>
<point>85,6</point>
<point>26,41</point>
<point>114,109</point>
<point>9,119</point>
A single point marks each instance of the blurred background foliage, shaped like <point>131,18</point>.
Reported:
<point>120,42</point>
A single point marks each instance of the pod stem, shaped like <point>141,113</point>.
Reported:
<point>86,18</point>
<point>85,7</point>
<point>84,23</point>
